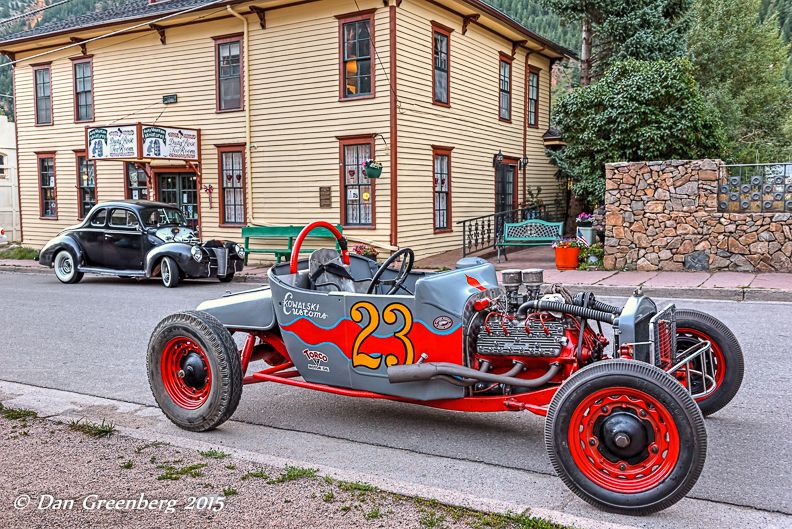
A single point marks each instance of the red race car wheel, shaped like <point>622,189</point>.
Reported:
<point>194,370</point>
<point>186,374</point>
<point>626,437</point>
<point>694,327</point>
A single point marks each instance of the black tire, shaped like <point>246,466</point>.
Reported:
<point>679,459</point>
<point>227,278</point>
<point>224,364</point>
<point>65,265</point>
<point>169,271</point>
<point>726,350</point>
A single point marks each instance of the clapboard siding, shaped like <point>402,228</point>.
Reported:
<point>470,125</point>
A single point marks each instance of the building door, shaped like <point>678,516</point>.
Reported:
<point>504,188</point>
<point>181,190</point>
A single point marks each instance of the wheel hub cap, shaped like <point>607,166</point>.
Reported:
<point>195,370</point>
<point>186,374</point>
<point>624,435</point>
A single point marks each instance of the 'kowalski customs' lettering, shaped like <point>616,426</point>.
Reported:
<point>301,308</point>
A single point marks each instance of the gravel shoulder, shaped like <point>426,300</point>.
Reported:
<point>76,478</point>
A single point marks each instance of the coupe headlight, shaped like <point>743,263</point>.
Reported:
<point>196,253</point>
<point>240,250</point>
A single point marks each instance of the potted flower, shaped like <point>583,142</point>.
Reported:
<point>566,252</point>
<point>585,220</point>
<point>372,168</point>
<point>366,251</point>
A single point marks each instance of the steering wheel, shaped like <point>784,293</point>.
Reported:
<point>398,282</point>
<point>342,243</point>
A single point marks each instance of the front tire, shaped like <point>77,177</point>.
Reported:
<point>626,437</point>
<point>694,326</point>
<point>194,370</point>
<point>227,278</point>
<point>169,271</point>
<point>65,266</point>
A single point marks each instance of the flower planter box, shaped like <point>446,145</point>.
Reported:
<point>567,258</point>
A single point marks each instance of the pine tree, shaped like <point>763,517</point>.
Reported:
<point>740,65</point>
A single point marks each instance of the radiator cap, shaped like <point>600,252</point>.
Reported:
<point>469,262</point>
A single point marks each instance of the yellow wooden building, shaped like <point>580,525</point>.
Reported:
<point>289,98</point>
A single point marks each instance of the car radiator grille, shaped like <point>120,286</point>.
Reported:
<point>222,261</point>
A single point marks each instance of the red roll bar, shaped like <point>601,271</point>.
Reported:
<point>342,243</point>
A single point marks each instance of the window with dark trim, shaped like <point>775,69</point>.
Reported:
<point>47,193</point>
<point>86,185</point>
<point>83,90</point>
<point>136,182</point>
<point>357,191</point>
<point>43,78</point>
<point>441,38</point>
<point>357,43</point>
<point>505,89</point>
<point>533,98</point>
<point>2,165</point>
<point>441,173</point>
<point>232,185</point>
<point>228,53</point>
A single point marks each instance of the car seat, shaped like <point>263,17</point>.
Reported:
<point>328,273</point>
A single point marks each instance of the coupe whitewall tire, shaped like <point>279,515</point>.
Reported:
<point>170,272</point>
<point>66,268</point>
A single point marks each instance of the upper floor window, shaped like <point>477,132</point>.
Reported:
<point>2,164</point>
<point>441,38</point>
<point>357,75</point>
<point>228,53</point>
<point>533,98</point>
<point>357,190</point>
<point>42,78</point>
<point>86,184</point>
<point>232,184</point>
<point>83,90</point>
<point>505,88</point>
<point>136,182</point>
<point>47,197</point>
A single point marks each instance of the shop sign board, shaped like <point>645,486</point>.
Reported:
<point>139,141</point>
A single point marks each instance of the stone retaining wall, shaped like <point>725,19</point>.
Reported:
<point>663,216</point>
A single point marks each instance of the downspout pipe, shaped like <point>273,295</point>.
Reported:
<point>394,203</point>
<point>248,162</point>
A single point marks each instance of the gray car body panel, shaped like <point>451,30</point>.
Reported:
<point>251,309</point>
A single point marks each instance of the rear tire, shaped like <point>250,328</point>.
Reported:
<point>626,437</point>
<point>169,271</point>
<point>194,370</point>
<point>65,266</point>
<point>694,326</point>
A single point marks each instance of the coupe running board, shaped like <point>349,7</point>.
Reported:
<point>109,272</point>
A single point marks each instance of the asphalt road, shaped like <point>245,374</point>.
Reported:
<point>91,338</point>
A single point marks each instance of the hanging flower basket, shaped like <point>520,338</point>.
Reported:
<point>566,254</point>
<point>372,168</point>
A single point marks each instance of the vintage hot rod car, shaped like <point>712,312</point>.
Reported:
<point>139,238</point>
<point>624,427</point>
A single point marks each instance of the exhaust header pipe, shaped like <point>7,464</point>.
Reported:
<point>431,370</point>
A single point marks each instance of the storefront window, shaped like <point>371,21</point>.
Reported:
<point>357,196</point>
<point>136,182</point>
<point>86,183</point>
<point>232,180</point>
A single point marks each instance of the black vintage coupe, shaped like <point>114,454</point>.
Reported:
<point>139,238</point>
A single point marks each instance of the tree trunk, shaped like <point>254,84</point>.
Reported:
<point>585,54</point>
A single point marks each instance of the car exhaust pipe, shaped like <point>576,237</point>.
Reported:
<point>430,370</point>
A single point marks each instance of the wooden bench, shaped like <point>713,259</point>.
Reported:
<point>532,232</point>
<point>281,232</point>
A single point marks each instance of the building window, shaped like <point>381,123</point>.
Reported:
<point>2,165</point>
<point>136,182</point>
<point>441,38</point>
<point>86,184</point>
<point>442,188</point>
<point>505,88</point>
<point>46,168</point>
<point>232,185</point>
<point>42,76</point>
<point>533,98</point>
<point>228,52</point>
<point>83,90</point>
<point>357,76</point>
<point>357,191</point>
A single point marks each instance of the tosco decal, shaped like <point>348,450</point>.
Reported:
<point>442,323</point>
<point>301,308</point>
<point>316,358</point>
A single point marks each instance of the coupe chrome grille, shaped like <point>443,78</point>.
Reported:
<point>222,261</point>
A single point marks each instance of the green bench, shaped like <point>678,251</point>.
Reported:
<point>281,232</point>
<point>532,232</point>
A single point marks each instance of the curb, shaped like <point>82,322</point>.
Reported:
<point>11,269</point>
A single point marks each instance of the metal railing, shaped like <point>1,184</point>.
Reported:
<point>755,188</point>
<point>482,233</point>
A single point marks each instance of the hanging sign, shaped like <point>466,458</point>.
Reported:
<point>143,142</point>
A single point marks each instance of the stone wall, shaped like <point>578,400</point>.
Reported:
<point>663,216</point>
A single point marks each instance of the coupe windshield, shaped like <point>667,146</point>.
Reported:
<point>162,216</point>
